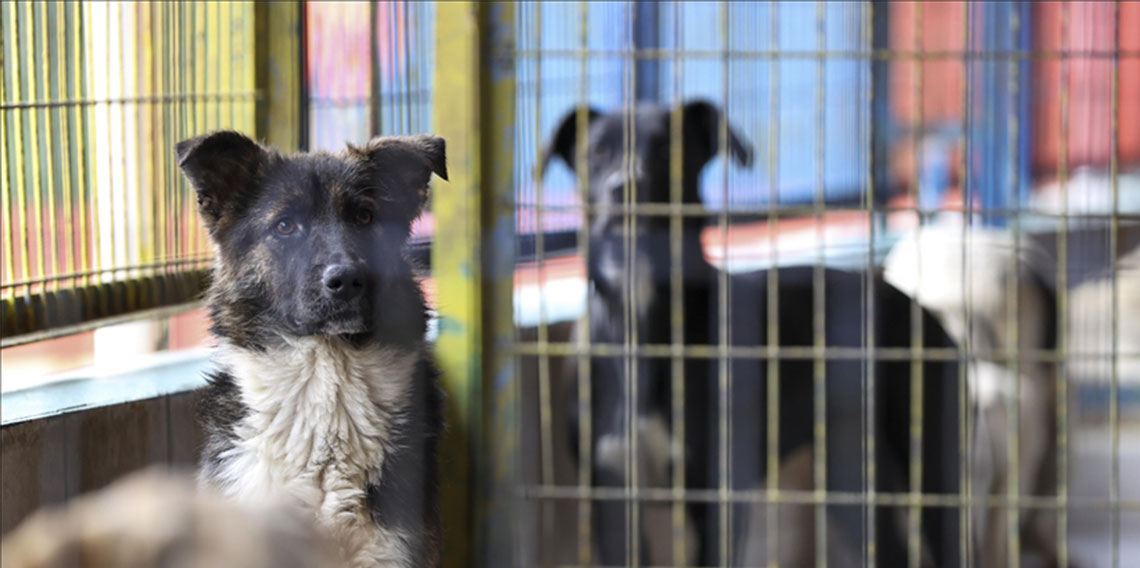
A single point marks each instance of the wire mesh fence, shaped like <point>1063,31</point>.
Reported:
<point>97,220</point>
<point>94,97</point>
<point>982,151</point>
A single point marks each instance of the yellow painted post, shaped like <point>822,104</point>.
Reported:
<point>473,262</point>
<point>278,73</point>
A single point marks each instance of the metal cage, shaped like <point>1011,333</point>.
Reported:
<point>869,120</point>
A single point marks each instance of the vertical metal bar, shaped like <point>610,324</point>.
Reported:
<point>222,62</point>
<point>964,426</point>
<point>384,65</point>
<point>498,190</point>
<point>66,74</point>
<point>20,187</point>
<point>176,197</point>
<point>182,56</point>
<point>251,71</point>
<point>235,23</point>
<point>30,180</point>
<point>676,297</point>
<point>1113,251</point>
<point>408,70</point>
<point>473,262</point>
<point>546,410</point>
<point>387,69</point>
<point>140,152</point>
<point>35,134</point>
<point>187,31</point>
<point>724,385</point>
<point>374,68</point>
<point>1013,419</point>
<point>200,72</point>
<point>174,182</point>
<point>54,171</point>
<point>57,178</point>
<point>585,394</point>
<point>161,176</point>
<point>458,292</point>
<point>394,67</point>
<point>9,185</point>
<point>772,412</point>
<point>1062,302</point>
<point>105,188</point>
<point>84,119</point>
<point>280,116</point>
<point>304,97</point>
<point>171,181</point>
<point>631,335</point>
<point>45,233</point>
<point>914,516</point>
<point>819,296</point>
<point>415,47</point>
<point>138,43</point>
<point>178,187</point>
<point>208,46</point>
<point>129,222</point>
<point>868,406</point>
<point>423,13</point>
<point>148,143</point>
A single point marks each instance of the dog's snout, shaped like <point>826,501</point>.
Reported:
<point>343,281</point>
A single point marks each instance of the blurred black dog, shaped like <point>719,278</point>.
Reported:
<point>325,395</point>
<point>860,312</point>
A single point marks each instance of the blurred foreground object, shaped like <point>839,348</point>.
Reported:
<point>160,518</point>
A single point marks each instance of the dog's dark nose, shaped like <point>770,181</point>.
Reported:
<point>343,281</point>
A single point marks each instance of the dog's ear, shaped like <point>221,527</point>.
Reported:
<point>703,121</point>
<point>221,166</point>
<point>564,143</point>
<point>410,160</point>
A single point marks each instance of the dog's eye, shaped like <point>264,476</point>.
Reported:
<point>286,227</point>
<point>363,216</point>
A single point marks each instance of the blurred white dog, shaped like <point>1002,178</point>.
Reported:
<point>1090,324</point>
<point>992,302</point>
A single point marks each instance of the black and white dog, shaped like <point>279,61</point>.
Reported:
<point>859,313</point>
<point>980,284</point>
<point>325,395</point>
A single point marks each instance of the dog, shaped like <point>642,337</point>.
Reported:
<point>325,394</point>
<point>1090,324</point>
<point>158,518</point>
<point>630,290</point>
<point>977,307</point>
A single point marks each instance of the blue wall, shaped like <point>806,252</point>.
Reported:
<point>792,163</point>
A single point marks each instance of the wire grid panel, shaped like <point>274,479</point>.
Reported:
<point>368,73</point>
<point>867,120</point>
<point>94,97</point>
<point>368,70</point>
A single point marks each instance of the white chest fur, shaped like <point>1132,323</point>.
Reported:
<point>322,416</point>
